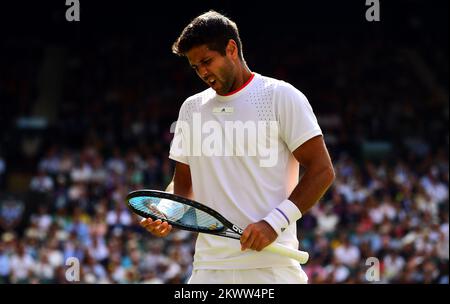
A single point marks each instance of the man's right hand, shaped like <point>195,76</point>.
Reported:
<point>157,228</point>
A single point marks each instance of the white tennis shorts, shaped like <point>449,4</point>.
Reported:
<point>279,275</point>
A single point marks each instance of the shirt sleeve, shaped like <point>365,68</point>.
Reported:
<point>180,146</point>
<point>295,116</point>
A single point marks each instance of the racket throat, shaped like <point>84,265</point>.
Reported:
<point>233,232</point>
<point>237,229</point>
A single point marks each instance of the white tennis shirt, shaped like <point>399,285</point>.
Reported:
<point>239,150</point>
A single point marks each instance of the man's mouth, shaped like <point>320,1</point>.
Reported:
<point>212,82</point>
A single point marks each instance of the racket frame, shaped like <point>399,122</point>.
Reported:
<point>229,229</point>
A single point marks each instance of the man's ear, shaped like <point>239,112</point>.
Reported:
<point>232,49</point>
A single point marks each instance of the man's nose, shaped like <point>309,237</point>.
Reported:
<point>203,72</point>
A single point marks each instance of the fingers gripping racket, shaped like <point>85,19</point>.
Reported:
<point>190,215</point>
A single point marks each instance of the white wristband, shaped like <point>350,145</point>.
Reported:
<point>283,215</point>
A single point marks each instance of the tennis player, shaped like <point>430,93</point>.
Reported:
<point>264,195</point>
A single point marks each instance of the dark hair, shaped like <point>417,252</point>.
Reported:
<point>210,28</point>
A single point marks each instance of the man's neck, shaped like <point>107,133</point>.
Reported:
<point>242,77</point>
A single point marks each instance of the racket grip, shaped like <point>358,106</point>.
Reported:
<point>301,256</point>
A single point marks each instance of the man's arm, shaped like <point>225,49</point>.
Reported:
<point>181,184</point>
<point>319,175</point>
<point>182,180</point>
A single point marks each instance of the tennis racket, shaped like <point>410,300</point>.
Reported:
<point>190,215</point>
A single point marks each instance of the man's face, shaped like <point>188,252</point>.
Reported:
<point>215,70</point>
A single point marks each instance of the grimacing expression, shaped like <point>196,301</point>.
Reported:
<point>216,70</point>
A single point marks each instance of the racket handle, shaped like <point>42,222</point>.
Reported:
<point>301,256</point>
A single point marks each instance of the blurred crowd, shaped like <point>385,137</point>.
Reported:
<point>384,220</point>
<point>80,213</point>
<point>390,211</point>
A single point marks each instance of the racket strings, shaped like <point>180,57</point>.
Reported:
<point>176,212</point>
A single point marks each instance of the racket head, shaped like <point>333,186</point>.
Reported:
<point>178,211</point>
